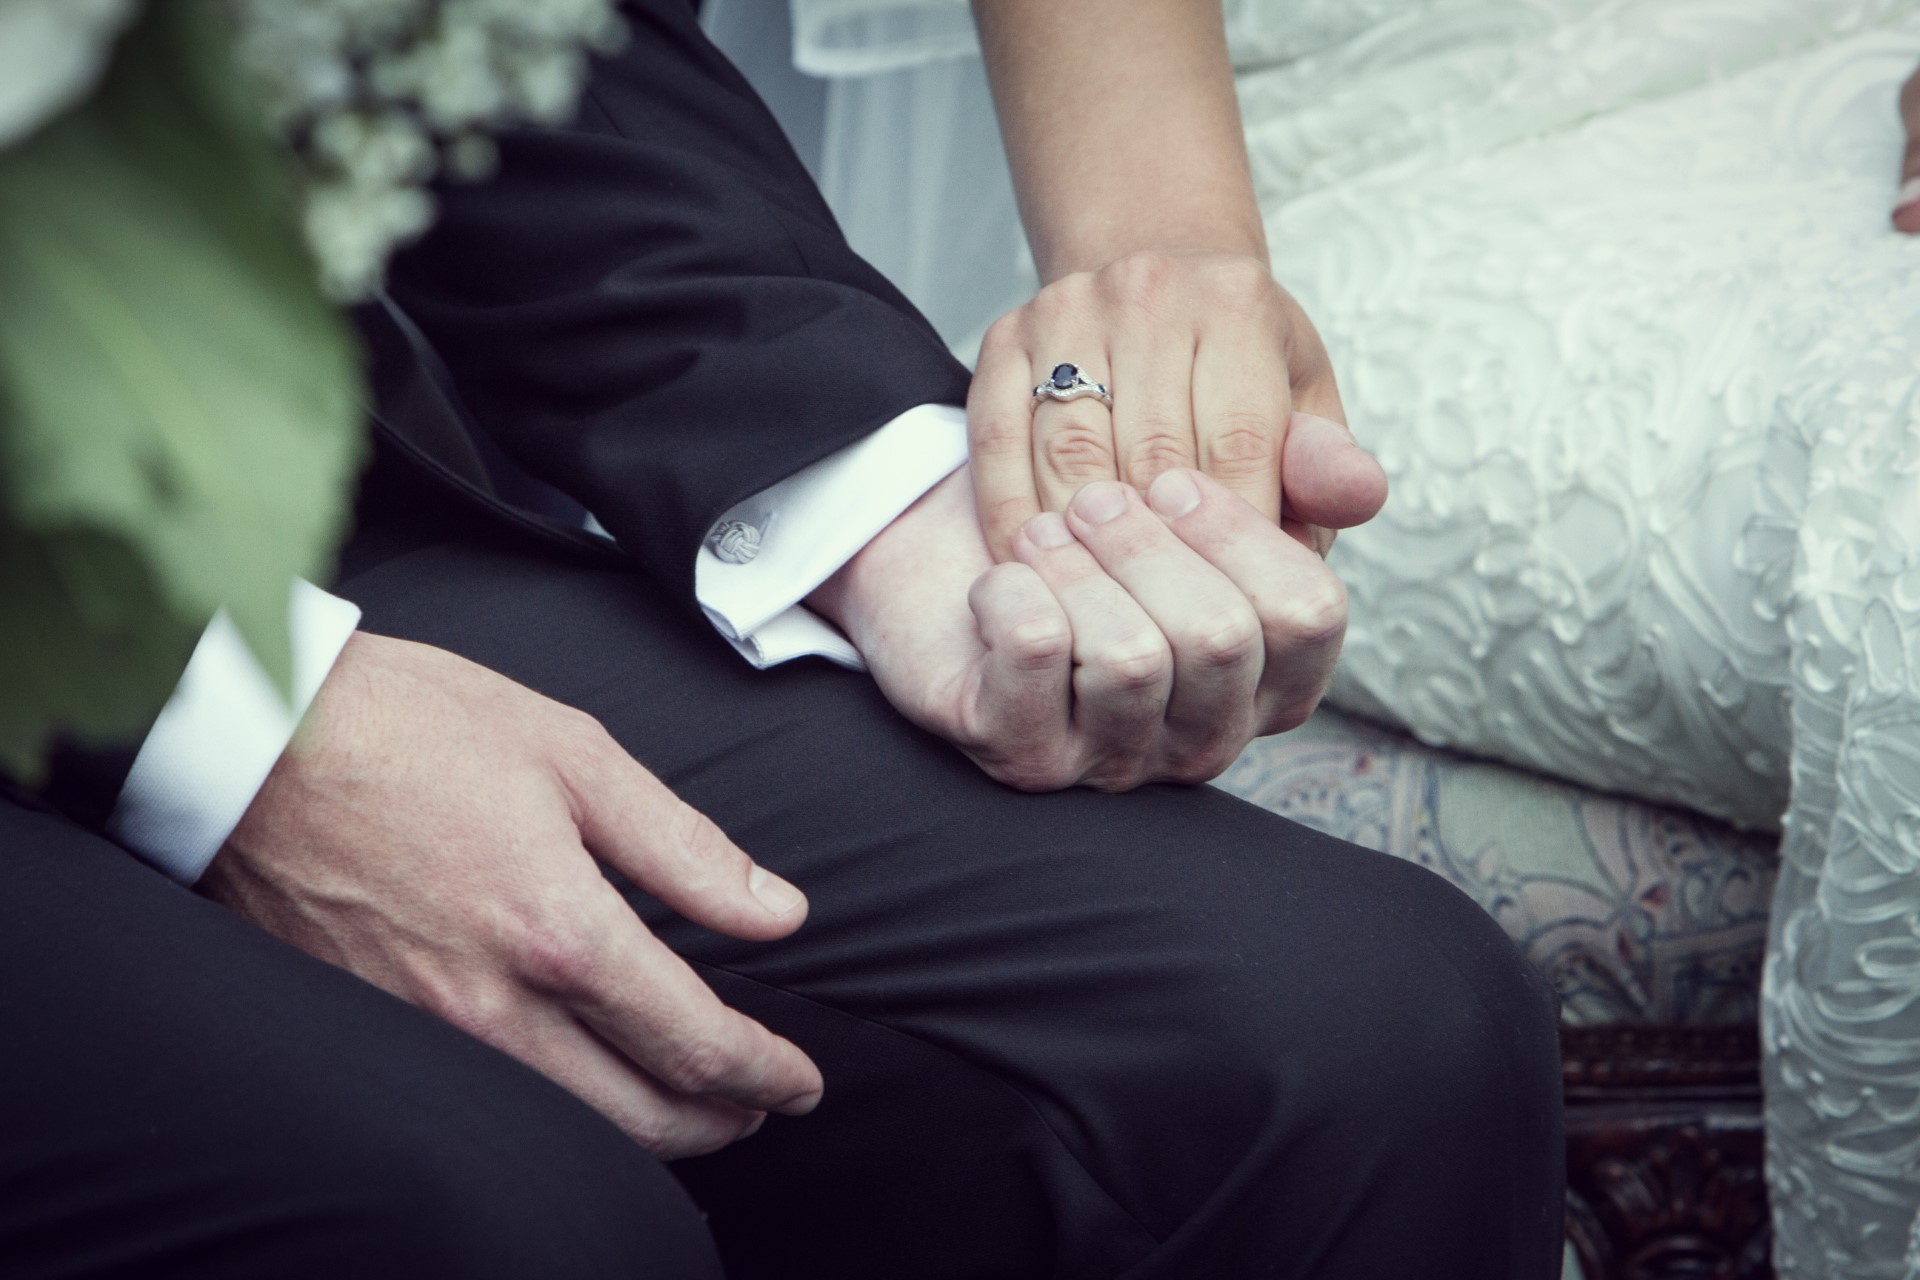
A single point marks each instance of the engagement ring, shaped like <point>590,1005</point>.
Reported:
<point>1068,383</point>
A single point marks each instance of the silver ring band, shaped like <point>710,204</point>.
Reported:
<point>1068,383</point>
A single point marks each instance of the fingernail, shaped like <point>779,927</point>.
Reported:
<point>775,894</point>
<point>1047,531</point>
<point>1909,193</point>
<point>753,1126</point>
<point>1174,494</point>
<point>1100,501</point>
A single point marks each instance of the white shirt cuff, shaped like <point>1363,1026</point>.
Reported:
<point>219,735</point>
<point>790,538</point>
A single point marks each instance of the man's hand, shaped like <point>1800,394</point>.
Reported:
<point>1124,645</point>
<point>433,829</point>
<point>1211,365</point>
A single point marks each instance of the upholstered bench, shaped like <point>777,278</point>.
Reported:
<point>1650,922</point>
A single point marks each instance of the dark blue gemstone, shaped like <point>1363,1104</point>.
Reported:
<point>1064,375</point>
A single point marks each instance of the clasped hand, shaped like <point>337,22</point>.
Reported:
<point>1133,639</point>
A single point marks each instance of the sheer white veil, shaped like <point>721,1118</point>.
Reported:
<point>888,103</point>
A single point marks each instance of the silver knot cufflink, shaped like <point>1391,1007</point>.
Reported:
<point>734,541</point>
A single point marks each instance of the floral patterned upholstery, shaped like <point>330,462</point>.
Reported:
<point>1637,913</point>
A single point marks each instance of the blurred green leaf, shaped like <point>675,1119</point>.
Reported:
<point>179,415</point>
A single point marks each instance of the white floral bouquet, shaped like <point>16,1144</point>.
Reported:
<point>188,189</point>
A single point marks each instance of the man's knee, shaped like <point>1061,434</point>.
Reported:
<point>1371,1030</point>
<point>1453,1020</point>
<point>1426,1015</point>
<point>1360,1075</point>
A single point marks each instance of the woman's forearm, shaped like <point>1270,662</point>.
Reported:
<point>1121,126</point>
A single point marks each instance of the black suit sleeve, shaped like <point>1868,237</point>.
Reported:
<point>652,308</point>
<point>81,782</point>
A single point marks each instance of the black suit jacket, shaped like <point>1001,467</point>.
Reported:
<point>652,310</point>
<point>649,309</point>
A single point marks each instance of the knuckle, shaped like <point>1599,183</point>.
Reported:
<point>1006,336</point>
<point>1163,420</point>
<point>1208,767</point>
<point>1036,773</point>
<point>1227,639</point>
<point>1243,446</point>
<point>657,1133</point>
<point>706,860</point>
<point>1005,515</point>
<point>580,726</point>
<point>1061,300</point>
<point>698,1064</point>
<point>1157,452</point>
<point>480,1011</point>
<point>555,951</point>
<point>996,435</point>
<point>1039,643</point>
<point>1008,580</point>
<point>1119,776</point>
<point>1241,283</point>
<point>1135,665</point>
<point>1075,447</point>
<point>1206,762</point>
<point>1290,717</point>
<point>1141,280</point>
<point>1314,616</point>
<point>696,835</point>
<point>583,738</point>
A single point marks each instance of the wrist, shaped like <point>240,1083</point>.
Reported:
<point>1098,243</point>
<point>913,563</point>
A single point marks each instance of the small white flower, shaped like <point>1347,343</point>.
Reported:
<point>353,228</point>
<point>378,96</point>
<point>51,53</point>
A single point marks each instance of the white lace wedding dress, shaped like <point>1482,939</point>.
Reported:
<point>1610,286</point>
<point>1613,292</point>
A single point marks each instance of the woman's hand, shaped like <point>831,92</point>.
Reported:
<point>1211,365</point>
<point>1906,205</point>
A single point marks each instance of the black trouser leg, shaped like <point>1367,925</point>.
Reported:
<point>183,1095</point>
<point>1164,1034</point>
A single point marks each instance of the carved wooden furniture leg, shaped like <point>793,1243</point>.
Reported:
<point>1664,1148</point>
